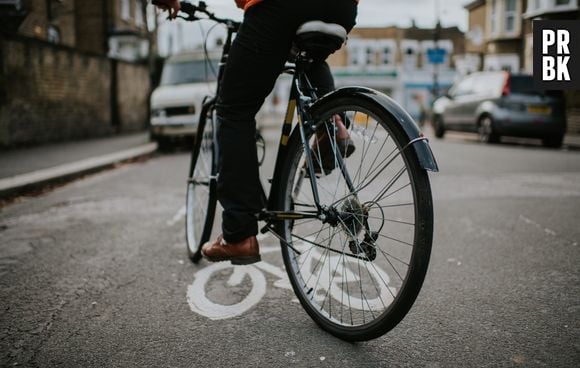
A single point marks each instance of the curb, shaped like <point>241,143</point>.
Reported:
<point>20,183</point>
<point>572,142</point>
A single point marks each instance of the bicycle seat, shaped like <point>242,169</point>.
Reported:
<point>319,39</point>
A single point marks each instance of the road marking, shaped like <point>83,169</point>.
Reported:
<point>177,217</point>
<point>200,303</point>
<point>538,226</point>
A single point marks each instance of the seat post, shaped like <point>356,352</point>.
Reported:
<point>303,64</point>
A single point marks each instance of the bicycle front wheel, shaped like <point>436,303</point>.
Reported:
<point>358,270</point>
<point>201,196</point>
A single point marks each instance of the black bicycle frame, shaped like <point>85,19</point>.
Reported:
<point>302,96</point>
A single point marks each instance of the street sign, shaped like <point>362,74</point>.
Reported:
<point>436,56</point>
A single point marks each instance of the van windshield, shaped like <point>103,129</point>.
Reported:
<point>189,71</point>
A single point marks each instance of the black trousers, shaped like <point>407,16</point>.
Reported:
<point>256,59</point>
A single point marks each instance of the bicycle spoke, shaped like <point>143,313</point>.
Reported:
<point>397,240</point>
<point>351,271</point>
<point>365,264</point>
<point>391,264</point>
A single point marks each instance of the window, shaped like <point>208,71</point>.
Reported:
<point>125,9</point>
<point>386,55</point>
<point>53,34</point>
<point>353,56</point>
<point>410,58</point>
<point>539,7</point>
<point>510,15</point>
<point>493,17</point>
<point>386,50</point>
<point>370,56</point>
<point>138,12</point>
<point>409,53</point>
<point>464,87</point>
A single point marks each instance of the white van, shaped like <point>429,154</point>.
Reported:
<point>175,105</point>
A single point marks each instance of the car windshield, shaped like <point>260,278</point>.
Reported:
<point>189,71</point>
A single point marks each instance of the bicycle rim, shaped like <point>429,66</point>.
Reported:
<point>201,191</point>
<point>358,274</point>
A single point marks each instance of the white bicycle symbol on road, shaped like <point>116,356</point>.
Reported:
<point>200,303</point>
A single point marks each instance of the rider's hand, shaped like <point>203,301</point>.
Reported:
<point>172,6</point>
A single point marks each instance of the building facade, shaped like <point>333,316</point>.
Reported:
<point>396,61</point>
<point>494,38</point>
<point>108,27</point>
<point>71,69</point>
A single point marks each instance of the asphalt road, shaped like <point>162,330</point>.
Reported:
<point>94,274</point>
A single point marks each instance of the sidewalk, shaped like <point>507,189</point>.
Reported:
<point>572,141</point>
<point>27,168</point>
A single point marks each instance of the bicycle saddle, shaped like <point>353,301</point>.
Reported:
<point>319,39</point>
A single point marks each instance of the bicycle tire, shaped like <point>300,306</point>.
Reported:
<point>200,210</point>
<point>422,211</point>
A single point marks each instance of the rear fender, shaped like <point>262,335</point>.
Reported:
<point>397,114</point>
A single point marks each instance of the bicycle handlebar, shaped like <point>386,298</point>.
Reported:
<point>191,10</point>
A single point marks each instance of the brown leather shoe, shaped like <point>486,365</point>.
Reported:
<point>242,253</point>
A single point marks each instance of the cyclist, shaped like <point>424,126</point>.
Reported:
<point>256,59</point>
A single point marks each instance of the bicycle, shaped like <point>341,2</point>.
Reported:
<point>362,227</point>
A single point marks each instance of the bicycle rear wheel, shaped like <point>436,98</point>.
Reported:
<point>358,271</point>
<point>201,196</point>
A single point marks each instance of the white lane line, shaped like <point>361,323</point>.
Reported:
<point>538,226</point>
<point>177,217</point>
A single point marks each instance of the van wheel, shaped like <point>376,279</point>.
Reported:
<point>438,126</point>
<point>486,131</point>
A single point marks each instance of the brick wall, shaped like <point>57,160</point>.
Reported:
<point>53,93</point>
<point>91,36</point>
<point>132,96</point>
<point>42,14</point>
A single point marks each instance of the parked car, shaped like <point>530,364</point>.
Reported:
<point>496,104</point>
<point>175,105</point>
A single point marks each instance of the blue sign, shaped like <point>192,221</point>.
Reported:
<point>436,56</point>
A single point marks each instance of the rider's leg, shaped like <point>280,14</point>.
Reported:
<point>256,58</point>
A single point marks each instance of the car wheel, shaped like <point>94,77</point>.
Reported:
<point>486,131</point>
<point>438,126</point>
<point>553,141</point>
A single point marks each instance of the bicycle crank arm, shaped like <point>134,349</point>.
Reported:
<point>273,216</point>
